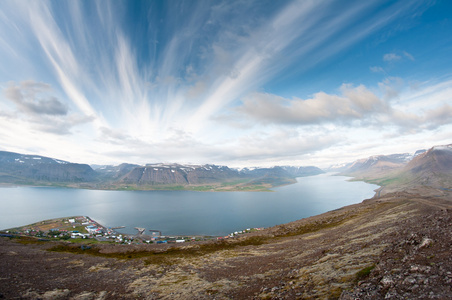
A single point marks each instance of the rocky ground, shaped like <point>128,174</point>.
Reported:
<point>396,246</point>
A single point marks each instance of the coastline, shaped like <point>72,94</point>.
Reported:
<point>284,204</point>
<point>83,227</point>
<point>396,244</point>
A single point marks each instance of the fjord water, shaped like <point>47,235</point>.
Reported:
<point>183,212</point>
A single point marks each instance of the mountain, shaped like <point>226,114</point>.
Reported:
<point>169,174</point>
<point>274,176</point>
<point>431,168</point>
<point>303,171</point>
<point>107,172</point>
<point>16,168</point>
<point>282,171</point>
<point>186,175</point>
<point>376,166</point>
<point>278,175</point>
<point>31,169</point>
<point>398,172</point>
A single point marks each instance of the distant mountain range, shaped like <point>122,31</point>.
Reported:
<point>24,169</point>
<point>427,168</point>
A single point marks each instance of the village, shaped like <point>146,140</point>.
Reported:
<point>83,228</point>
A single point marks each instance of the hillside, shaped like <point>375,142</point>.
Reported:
<point>432,168</point>
<point>429,169</point>
<point>396,246</point>
<point>33,169</point>
<point>375,166</point>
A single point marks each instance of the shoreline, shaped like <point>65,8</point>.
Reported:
<point>381,246</point>
<point>71,228</point>
<point>208,230</point>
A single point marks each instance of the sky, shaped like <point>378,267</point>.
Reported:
<point>237,83</point>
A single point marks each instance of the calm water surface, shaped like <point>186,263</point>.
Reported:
<point>183,212</point>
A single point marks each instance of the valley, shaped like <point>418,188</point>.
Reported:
<point>395,245</point>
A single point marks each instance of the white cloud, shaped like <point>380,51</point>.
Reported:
<point>35,103</point>
<point>391,87</point>
<point>30,97</point>
<point>377,69</point>
<point>355,103</point>
<point>59,54</point>
<point>184,102</point>
<point>391,57</point>
<point>408,55</point>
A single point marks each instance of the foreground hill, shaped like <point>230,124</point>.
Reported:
<point>396,247</point>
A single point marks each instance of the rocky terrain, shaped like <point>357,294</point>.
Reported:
<point>396,246</point>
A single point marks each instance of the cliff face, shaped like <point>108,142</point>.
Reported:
<point>178,174</point>
<point>19,168</point>
<point>153,176</point>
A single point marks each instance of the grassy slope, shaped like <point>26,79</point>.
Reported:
<point>319,257</point>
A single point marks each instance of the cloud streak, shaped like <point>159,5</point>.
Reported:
<point>184,81</point>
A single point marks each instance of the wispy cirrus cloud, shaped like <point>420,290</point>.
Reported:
<point>408,55</point>
<point>59,54</point>
<point>159,82</point>
<point>391,57</point>
<point>377,69</point>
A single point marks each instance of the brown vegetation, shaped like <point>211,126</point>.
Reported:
<point>397,245</point>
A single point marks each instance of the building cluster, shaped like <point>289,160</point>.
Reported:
<point>84,227</point>
<point>236,233</point>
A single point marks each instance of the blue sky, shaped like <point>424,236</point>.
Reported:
<point>241,83</point>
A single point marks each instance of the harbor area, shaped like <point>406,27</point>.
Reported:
<point>84,228</point>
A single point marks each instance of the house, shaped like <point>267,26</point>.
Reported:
<point>75,235</point>
<point>92,229</point>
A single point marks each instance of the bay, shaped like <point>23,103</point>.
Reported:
<point>183,212</point>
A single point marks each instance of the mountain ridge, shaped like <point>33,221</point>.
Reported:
<point>26,169</point>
